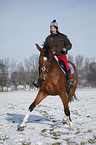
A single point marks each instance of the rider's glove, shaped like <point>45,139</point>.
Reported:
<point>64,51</point>
<point>54,52</point>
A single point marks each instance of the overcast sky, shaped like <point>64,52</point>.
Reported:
<point>26,22</point>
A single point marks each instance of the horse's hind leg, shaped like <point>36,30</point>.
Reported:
<point>67,116</point>
<point>40,96</point>
<point>66,109</point>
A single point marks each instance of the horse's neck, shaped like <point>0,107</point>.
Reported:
<point>55,64</point>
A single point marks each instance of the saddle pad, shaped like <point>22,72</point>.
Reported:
<point>71,68</point>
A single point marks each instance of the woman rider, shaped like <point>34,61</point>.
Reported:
<point>62,44</point>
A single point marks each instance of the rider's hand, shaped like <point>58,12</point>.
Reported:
<point>54,52</point>
<point>64,51</point>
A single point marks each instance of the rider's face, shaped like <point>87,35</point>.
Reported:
<point>53,29</point>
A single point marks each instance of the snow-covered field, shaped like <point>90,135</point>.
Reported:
<point>44,126</point>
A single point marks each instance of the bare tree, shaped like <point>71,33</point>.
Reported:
<point>13,65</point>
<point>79,66</point>
<point>86,67</point>
<point>27,70</point>
<point>70,58</point>
<point>31,66</point>
<point>34,62</point>
<point>3,75</point>
<point>21,74</point>
<point>91,74</point>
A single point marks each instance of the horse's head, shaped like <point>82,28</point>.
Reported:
<point>45,60</point>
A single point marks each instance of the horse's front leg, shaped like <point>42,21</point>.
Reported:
<point>40,96</point>
<point>66,109</point>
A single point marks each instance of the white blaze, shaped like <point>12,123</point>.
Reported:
<point>45,58</point>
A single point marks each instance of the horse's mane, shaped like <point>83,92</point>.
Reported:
<point>46,50</point>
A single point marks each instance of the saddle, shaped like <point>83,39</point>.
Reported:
<point>63,67</point>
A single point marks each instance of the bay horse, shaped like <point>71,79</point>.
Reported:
<point>52,82</point>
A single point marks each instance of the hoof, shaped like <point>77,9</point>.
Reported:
<point>64,121</point>
<point>71,125</point>
<point>21,128</point>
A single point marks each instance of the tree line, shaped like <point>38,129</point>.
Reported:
<point>14,74</point>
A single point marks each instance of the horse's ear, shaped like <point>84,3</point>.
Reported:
<point>53,49</point>
<point>39,48</point>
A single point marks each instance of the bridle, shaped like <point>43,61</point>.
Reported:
<point>47,68</point>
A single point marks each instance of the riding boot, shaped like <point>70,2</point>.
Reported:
<point>36,84</point>
<point>70,81</point>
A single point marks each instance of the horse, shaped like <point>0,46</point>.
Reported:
<point>52,82</point>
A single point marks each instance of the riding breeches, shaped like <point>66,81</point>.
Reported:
<point>64,58</point>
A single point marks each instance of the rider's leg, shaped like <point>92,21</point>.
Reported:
<point>36,84</point>
<point>68,72</point>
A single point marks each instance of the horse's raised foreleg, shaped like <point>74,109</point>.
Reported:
<point>40,96</point>
<point>66,109</point>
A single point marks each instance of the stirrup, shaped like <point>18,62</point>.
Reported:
<point>36,84</point>
<point>70,83</point>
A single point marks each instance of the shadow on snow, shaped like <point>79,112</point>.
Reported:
<point>17,118</point>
